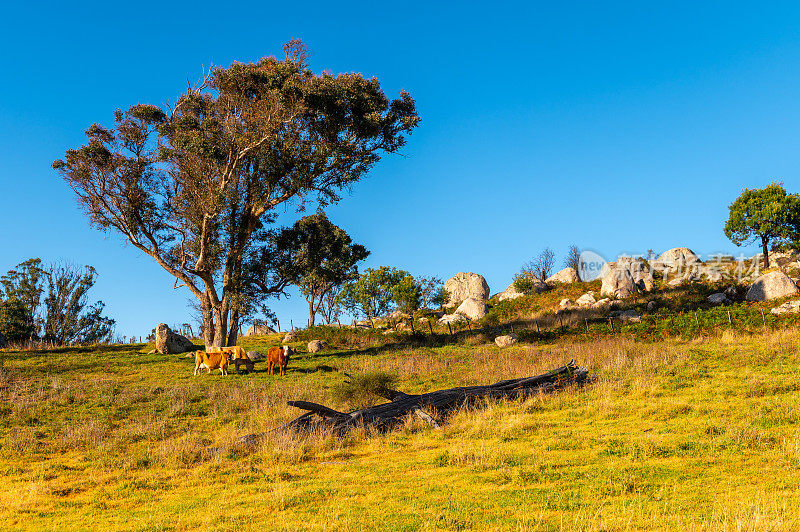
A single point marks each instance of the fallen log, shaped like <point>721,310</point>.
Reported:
<point>439,403</point>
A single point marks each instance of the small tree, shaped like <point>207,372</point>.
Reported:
<point>573,258</point>
<point>25,283</point>
<point>432,292</point>
<point>69,319</point>
<point>323,257</point>
<point>541,267</point>
<point>768,214</point>
<point>16,321</point>
<point>373,293</point>
<point>407,294</point>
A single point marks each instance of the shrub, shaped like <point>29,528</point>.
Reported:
<point>16,321</point>
<point>364,389</point>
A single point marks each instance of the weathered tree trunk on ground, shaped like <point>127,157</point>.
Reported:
<point>438,403</point>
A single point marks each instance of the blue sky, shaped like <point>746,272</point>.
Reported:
<point>619,127</point>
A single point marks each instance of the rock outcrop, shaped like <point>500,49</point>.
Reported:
<point>260,330</point>
<point>565,276</point>
<point>772,285</point>
<point>472,308</point>
<point>506,340</point>
<point>254,355</point>
<point>451,318</point>
<point>466,285</point>
<point>169,342</point>
<point>290,336</point>
<point>618,282</point>
<point>586,300</point>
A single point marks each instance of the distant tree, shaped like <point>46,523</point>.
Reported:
<point>373,293</point>
<point>16,321</point>
<point>407,294</point>
<point>768,215</point>
<point>432,292</point>
<point>331,307</point>
<point>322,256</point>
<point>573,258</point>
<point>195,186</point>
<point>25,283</point>
<point>69,318</point>
<point>541,267</point>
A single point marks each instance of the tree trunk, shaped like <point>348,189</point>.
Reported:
<point>208,321</point>
<point>440,403</point>
<point>311,312</point>
<point>233,330</point>
<point>221,330</point>
<point>764,241</point>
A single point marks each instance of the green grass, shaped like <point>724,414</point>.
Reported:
<point>674,434</point>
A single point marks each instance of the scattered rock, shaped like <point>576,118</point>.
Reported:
<point>398,315</point>
<point>566,304</point>
<point>472,308</point>
<point>678,281</point>
<point>629,315</point>
<point>315,346</point>
<point>169,342</point>
<point>260,330</point>
<point>602,303</point>
<point>388,332</point>
<point>718,299</point>
<point>651,306</point>
<point>512,293</point>
<point>677,258</point>
<point>586,300</point>
<point>565,276</point>
<point>466,285</point>
<point>402,326</point>
<point>254,355</point>
<point>423,319</point>
<point>772,285</point>
<point>506,340</point>
<point>291,336</point>
<point>451,318</point>
<point>790,307</point>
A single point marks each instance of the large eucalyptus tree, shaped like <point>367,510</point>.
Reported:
<point>198,185</point>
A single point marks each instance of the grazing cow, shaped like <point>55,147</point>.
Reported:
<point>234,352</point>
<point>211,361</point>
<point>277,356</point>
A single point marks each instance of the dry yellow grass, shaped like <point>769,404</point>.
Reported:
<point>678,435</point>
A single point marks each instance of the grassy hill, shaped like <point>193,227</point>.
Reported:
<point>674,434</point>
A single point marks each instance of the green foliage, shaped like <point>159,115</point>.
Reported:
<point>378,291</point>
<point>407,294</point>
<point>16,321</point>
<point>768,214</point>
<point>322,256</point>
<point>526,282</point>
<point>195,188</point>
<point>64,317</point>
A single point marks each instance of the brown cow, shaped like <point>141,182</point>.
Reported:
<point>218,360</point>
<point>277,356</point>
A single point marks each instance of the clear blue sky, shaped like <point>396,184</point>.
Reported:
<point>619,127</point>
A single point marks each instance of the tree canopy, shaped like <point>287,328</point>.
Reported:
<point>322,256</point>
<point>768,214</point>
<point>196,186</point>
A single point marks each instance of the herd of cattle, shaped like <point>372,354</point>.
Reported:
<point>220,357</point>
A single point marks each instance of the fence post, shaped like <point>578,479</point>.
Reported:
<point>763,320</point>
<point>537,326</point>
<point>729,319</point>
<point>449,328</point>
<point>586,321</point>
<point>696,320</point>
<point>412,325</point>
<point>611,321</point>
<point>430,326</point>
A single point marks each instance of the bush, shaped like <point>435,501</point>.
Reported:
<point>16,321</point>
<point>364,389</point>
